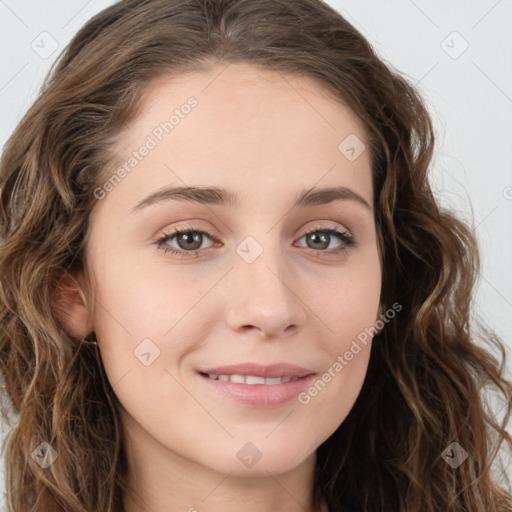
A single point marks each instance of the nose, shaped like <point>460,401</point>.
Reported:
<point>265,297</point>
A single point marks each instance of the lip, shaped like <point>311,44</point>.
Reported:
<point>273,370</point>
<point>262,396</point>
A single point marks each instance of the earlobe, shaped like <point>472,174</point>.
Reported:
<point>70,305</point>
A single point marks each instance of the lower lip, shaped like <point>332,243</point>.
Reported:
<point>260,395</point>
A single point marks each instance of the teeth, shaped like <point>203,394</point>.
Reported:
<point>275,380</point>
<point>254,380</point>
<point>251,379</point>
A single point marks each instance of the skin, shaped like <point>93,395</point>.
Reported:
<point>267,137</point>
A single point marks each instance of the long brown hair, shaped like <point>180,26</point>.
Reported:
<point>428,367</point>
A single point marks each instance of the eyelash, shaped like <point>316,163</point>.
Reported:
<point>345,237</point>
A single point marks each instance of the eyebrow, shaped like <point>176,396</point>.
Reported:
<point>223,196</point>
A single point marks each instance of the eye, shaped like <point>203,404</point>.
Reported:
<point>319,238</point>
<point>189,240</point>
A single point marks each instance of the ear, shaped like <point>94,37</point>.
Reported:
<point>70,305</point>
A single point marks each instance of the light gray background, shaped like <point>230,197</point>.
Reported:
<point>469,94</point>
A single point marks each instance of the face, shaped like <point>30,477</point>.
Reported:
<point>258,281</point>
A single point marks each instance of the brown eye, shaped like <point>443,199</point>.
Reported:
<point>319,239</point>
<point>188,241</point>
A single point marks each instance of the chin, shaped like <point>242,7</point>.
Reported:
<point>258,458</point>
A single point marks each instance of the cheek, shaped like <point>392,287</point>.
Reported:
<point>348,304</point>
<point>350,311</point>
<point>144,309</point>
<point>144,299</point>
<point>348,308</point>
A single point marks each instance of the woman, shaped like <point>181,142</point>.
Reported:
<point>315,354</point>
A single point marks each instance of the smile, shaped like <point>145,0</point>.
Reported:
<point>255,390</point>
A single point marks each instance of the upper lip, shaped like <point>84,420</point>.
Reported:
<point>258,370</point>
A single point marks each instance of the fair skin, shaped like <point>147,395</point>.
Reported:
<point>299,302</point>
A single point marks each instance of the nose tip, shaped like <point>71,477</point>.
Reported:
<point>266,303</point>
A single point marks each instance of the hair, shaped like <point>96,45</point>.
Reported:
<point>428,368</point>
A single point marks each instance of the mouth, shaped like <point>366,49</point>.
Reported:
<point>257,386</point>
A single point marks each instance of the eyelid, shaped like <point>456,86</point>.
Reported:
<point>320,227</point>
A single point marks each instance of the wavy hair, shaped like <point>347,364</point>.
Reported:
<point>428,368</point>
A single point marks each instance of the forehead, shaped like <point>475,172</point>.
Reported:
<point>250,126</point>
